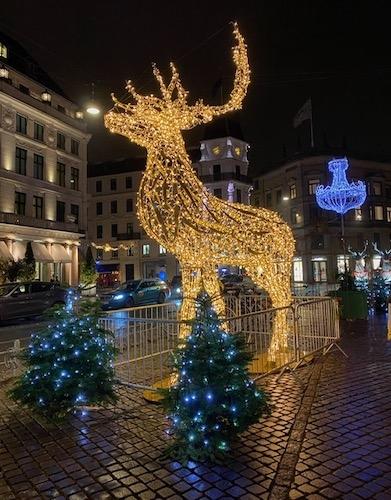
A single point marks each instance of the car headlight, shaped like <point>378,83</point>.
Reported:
<point>120,296</point>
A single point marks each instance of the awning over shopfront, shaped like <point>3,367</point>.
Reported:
<point>59,254</point>
<point>5,254</point>
<point>41,253</point>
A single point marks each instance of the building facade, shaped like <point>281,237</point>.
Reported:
<point>43,169</point>
<point>290,190</point>
<point>122,249</point>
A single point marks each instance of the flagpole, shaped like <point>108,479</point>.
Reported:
<point>312,129</point>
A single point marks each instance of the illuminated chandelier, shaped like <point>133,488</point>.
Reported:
<point>341,196</point>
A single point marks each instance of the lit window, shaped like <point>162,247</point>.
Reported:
<point>319,270</point>
<point>162,250</point>
<point>312,185</point>
<point>358,214</point>
<point>388,214</point>
<point>376,188</point>
<point>295,216</point>
<point>376,261</point>
<point>146,249</point>
<point>298,269</point>
<point>3,50</point>
<point>342,262</point>
<point>379,215</point>
<point>292,191</point>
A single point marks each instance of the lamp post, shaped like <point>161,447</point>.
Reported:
<point>341,196</point>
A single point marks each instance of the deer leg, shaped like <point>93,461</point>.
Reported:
<point>212,287</point>
<point>191,286</point>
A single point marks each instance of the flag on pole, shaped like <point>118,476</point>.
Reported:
<point>304,113</point>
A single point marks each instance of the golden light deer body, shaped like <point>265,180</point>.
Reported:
<point>176,209</point>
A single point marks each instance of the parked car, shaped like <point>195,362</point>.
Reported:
<point>28,299</point>
<point>136,293</point>
<point>236,284</point>
<point>176,287</point>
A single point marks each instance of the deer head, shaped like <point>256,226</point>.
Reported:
<point>152,121</point>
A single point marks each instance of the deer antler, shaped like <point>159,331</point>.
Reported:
<point>379,252</point>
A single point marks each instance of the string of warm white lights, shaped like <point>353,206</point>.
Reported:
<point>175,209</point>
<point>106,247</point>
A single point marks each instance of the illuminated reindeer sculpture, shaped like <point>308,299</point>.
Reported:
<point>385,262</point>
<point>176,210</point>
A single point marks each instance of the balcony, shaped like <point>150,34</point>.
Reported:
<point>225,176</point>
<point>128,236</point>
<point>25,220</point>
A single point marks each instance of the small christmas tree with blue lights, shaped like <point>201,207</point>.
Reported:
<point>69,363</point>
<point>213,399</point>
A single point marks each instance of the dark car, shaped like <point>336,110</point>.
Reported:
<point>28,299</point>
<point>237,284</point>
<point>136,293</point>
<point>176,287</point>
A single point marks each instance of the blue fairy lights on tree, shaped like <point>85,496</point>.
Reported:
<point>69,364</point>
<point>213,399</point>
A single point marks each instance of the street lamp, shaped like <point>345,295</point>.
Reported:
<point>92,107</point>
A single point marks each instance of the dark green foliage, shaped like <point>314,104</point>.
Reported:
<point>88,274</point>
<point>346,281</point>
<point>28,264</point>
<point>69,364</point>
<point>378,293</point>
<point>13,270</point>
<point>214,399</point>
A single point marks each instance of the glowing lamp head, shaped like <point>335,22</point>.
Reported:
<point>92,108</point>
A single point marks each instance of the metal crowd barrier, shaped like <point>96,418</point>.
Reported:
<point>146,336</point>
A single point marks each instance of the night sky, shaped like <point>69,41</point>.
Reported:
<point>337,52</point>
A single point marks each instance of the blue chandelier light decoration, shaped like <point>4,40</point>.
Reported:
<point>341,196</point>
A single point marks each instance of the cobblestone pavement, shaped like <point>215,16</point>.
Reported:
<point>327,437</point>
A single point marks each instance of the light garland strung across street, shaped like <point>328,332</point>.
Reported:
<point>175,209</point>
<point>106,247</point>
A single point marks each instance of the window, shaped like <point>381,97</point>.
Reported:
<point>38,132</point>
<point>268,199</point>
<point>341,263</point>
<point>37,287</point>
<point>75,147</point>
<point>60,108</point>
<point>146,249</point>
<point>20,203</point>
<point>239,195</point>
<point>60,212</point>
<point>60,141</point>
<point>295,216</point>
<point>129,228</point>
<point>129,205</point>
<point>113,206</point>
<point>316,214</point>
<point>358,214</point>
<point>20,161</point>
<point>114,254</point>
<point>217,192</point>
<point>379,212</point>
<point>312,185</point>
<point>129,183</point>
<point>114,230</point>
<point>75,178</point>
<point>24,89</point>
<point>298,269</point>
<point>113,184</point>
<point>237,171</point>
<point>162,250</point>
<point>388,210</point>
<point>216,172</point>
<point>130,252</point>
<point>99,208</point>
<point>98,186</point>
<point>3,50</point>
<point>376,261</point>
<point>376,188</point>
<point>292,191</point>
<point>99,231</point>
<point>21,124</point>
<point>99,253</point>
<point>388,191</point>
<point>38,207</point>
<point>278,196</point>
<point>317,241</point>
<point>61,174</point>
<point>38,166</point>
<point>75,213</point>
<point>319,271</point>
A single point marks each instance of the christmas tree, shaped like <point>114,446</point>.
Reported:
<point>213,399</point>
<point>69,363</point>
<point>378,293</point>
<point>88,274</point>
